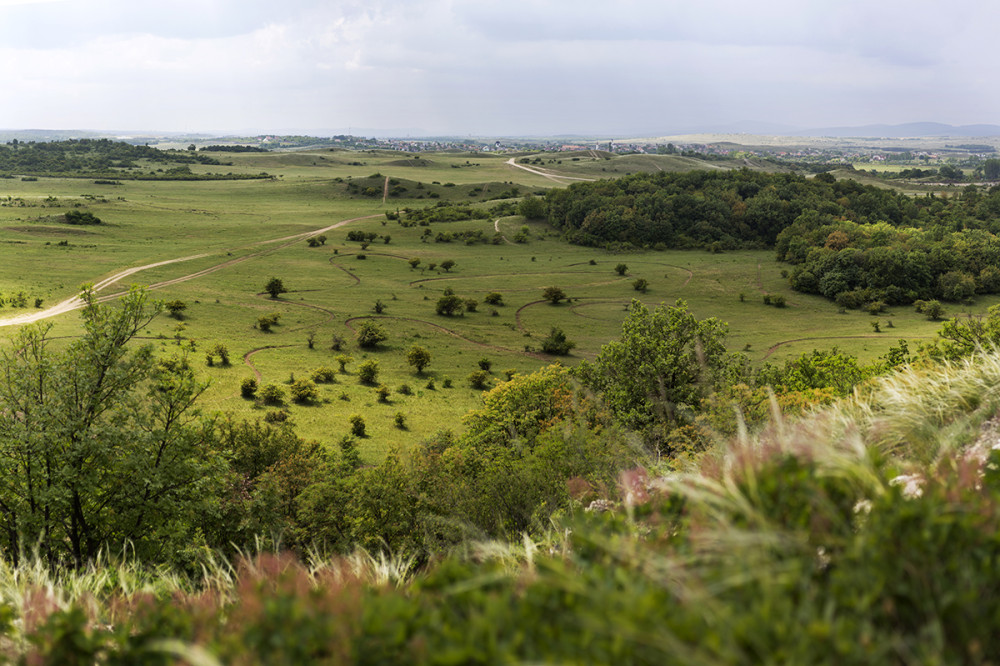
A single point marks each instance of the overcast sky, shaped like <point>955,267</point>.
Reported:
<point>494,67</point>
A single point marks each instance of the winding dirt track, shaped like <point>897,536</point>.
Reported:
<point>75,303</point>
<point>452,333</point>
<point>551,176</point>
<point>773,348</point>
<point>249,363</point>
<point>496,226</point>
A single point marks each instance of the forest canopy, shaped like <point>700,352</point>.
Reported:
<point>854,243</point>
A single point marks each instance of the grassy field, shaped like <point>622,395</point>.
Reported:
<point>231,228</point>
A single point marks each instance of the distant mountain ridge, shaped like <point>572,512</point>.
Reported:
<point>922,129</point>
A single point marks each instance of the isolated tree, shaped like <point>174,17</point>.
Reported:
<point>304,391</point>
<point>418,357</point>
<point>660,368</point>
<point>621,269</point>
<point>342,361</point>
<point>641,284</point>
<point>275,287</point>
<point>176,308</point>
<point>554,295</point>
<point>371,333</point>
<point>248,388</point>
<point>493,298</point>
<point>556,343</point>
<point>450,304</point>
<point>414,262</point>
<point>933,310</point>
<point>368,372</point>
<point>447,265</point>
<point>272,394</point>
<point>265,322</point>
<point>219,350</point>
<point>357,425</point>
<point>479,379</point>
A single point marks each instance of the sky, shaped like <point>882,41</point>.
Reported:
<point>494,67</point>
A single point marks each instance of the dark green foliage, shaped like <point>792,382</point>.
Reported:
<point>661,368</point>
<point>248,388</point>
<point>368,372</point>
<point>275,287</point>
<point>533,208</point>
<point>641,285</point>
<point>272,394</point>
<point>479,379</point>
<point>91,158</point>
<point>493,298</point>
<point>418,357</point>
<point>556,343</point>
<point>80,217</point>
<point>450,304</point>
<point>621,269</point>
<point>176,308</point>
<point>304,391</point>
<point>324,375</point>
<point>97,442</point>
<point>218,350</point>
<point>370,334</point>
<point>553,295</point>
<point>265,322</point>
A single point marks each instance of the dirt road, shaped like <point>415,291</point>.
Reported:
<point>551,176</point>
<point>76,303</point>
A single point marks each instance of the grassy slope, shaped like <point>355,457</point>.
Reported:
<point>153,221</point>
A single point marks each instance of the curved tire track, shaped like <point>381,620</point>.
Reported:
<point>249,363</point>
<point>883,336</point>
<point>517,315</point>
<point>448,331</point>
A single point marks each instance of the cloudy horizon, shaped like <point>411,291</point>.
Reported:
<point>519,67</point>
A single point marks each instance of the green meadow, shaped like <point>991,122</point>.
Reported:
<point>236,235</point>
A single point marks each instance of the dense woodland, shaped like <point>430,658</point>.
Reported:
<point>101,158</point>
<point>854,243</point>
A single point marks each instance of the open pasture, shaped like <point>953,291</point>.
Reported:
<point>236,235</point>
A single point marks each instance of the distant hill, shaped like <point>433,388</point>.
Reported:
<point>904,130</point>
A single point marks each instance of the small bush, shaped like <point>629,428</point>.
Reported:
<point>272,394</point>
<point>304,391</point>
<point>368,372</point>
<point>357,425</point>
<point>248,388</point>
<point>276,416</point>
<point>479,379</point>
<point>324,375</point>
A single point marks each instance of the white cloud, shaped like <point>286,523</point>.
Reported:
<point>511,66</point>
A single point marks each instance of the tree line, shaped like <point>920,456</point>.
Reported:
<point>851,242</point>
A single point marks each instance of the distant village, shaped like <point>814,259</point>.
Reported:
<point>969,155</point>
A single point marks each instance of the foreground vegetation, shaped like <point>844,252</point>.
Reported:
<point>866,533</point>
